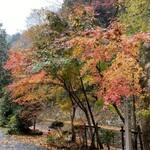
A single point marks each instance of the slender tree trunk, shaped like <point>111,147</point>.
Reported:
<point>89,123</point>
<point>79,103</point>
<point>118,112</point>
<point>134,122</point>
<point>91,114</point>
<point>72,124</point>
<point>84,109</point>
<point>146,127</point>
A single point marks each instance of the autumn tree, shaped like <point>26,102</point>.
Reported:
<point>104,11</point>
<point>136,16</point>
<point>105,62</point>
<point>7,108</point>
<point>87,61</point>
<point>49,68</point>
<point>23,113</point>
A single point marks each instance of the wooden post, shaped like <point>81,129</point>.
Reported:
<point>86,143</point>
<point>122,137</point>
<point>34,122</point>
<point>127,125</point>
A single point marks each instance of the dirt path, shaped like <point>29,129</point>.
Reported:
<point>19,142</point>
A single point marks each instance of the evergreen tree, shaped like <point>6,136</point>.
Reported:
<point>5,106</point>
<point>3,57</point>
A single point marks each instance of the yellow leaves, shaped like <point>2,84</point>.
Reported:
<point>120,51</point>
<point>26,84</point>
<point>65,104</point>
<point>36,140</point>
<point>70,17</point>
<point>75,23</point>
<point>39,93</point>
<point>37,87</point>
<point>55,91</point>
<point>145,113</point>
<point>90,66</point>
<point>123,66</point>
<point>90,46</point>
<point>126,69</point>
<point>111,49</point>
<point>131,47</point>
<point>81,15</point>
<point>5,142</point>
<point>89,80</point>
<point>77,51</point>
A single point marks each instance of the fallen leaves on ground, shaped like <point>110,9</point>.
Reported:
<point>5,142</point>
<point>36,140</point>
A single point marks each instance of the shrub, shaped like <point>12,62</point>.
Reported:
<point>50,138</point>
<point>16,125</point>
<point>57,124</point>
<point>107,136</point>
<point>6,110</point>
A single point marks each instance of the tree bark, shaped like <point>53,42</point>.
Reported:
<point>79,103</point>
<point>145,62</point>
<point>72,124</point>
<point>146,127</point>
<point>118,112</point>
<point>91,114</point>
<point>72,120</point>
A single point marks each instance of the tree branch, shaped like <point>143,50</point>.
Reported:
<point>118,112</point>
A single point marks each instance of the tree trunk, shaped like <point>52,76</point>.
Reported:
<point>91,115</point>
<point>89,123</point>
<point>72,124</point>
<point>145,62</point>
<point>146,127</point>
<point>118,112</point>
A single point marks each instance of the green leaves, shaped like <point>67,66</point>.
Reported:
<point>99,104</point>
<point>136,15</point>
<point>102,66</point>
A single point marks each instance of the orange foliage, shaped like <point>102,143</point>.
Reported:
<point>121,77</point>
<point>18,63</point>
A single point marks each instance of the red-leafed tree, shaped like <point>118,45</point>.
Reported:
<point>87,61</point>
<point>118,53</point>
